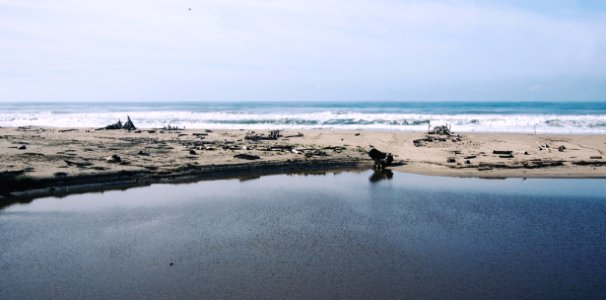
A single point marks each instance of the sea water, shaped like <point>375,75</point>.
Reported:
<point>523,117</point>
<point>346,236</point>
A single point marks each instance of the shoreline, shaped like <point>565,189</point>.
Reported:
<point>46,187</point>
<point>55,161</point>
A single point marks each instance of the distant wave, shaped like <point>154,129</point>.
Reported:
<point>524,123</point>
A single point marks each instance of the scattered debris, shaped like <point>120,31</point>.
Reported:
<point>483,167</point>
<point>118,125</point>
<point>315,152</point>
<point>595,157</point>
<point>357,134</point>
<point>273,135</point>
<point>294,135</point>
<point>246,156</point>
<point>428,139</point>
<point>172,128</point>
<point>68,130</point>
<point>113,159</point>
<point>22,147</point>
<point>77,164</point>
<point>114,126</point>
<point>192,152</point>
<point>441,130</point>
<point>589,163</point>
<point>502,152</point>
<point>470,157</point>
<point>561,148</point>
<point>451,160</point>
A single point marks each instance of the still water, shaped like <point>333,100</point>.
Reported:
<point>315,236</point>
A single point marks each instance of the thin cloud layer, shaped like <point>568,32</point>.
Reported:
<point>300,50</point>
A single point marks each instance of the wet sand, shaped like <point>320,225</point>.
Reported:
<point>62,160</point>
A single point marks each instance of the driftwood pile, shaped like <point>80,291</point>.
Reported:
<point>170,127</point>
<point>437,134</point>
<point>212,145</point>
<point>441,130</point>
<point>273,135</point>
<point>128,125</point>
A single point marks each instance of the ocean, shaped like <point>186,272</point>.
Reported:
<point>521,117</point>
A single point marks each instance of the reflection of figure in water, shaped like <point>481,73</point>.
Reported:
<point>379,175</point>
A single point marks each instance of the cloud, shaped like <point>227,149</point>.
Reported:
<point>536,88</point>
<point>282,50</point>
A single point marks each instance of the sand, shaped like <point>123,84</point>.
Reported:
<point>56,159</point>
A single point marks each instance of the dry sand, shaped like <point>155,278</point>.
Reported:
<point>55,159</point>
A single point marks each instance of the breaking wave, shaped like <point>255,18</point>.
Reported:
<point>524,123</point>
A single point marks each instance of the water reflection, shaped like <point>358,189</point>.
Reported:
<point>313,236</point>
<point>382,174</point>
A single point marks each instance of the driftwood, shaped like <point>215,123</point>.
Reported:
<point>78,164</point>
<point>441,130</point>
<point>129,124</point>
<point>113,159</point>
<point>428,139</point>
<point>273,135</point>
<point>589,163</point>
<point>335,148</point>
<point>287,148</point>
<point>170,128</point>
<point>294,135</point>
<point>315,153</point>
<point>247,156</point>
<point>117,125</point>
<point>529,164</point>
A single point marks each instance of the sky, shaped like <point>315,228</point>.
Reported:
<point>313,50</point>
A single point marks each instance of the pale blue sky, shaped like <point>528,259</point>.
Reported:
<point>342,50</point>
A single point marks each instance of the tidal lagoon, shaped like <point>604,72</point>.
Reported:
<point>353,235</point>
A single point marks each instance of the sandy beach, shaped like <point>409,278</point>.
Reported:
<point>38,161</point>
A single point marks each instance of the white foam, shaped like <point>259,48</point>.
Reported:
<point>524,123</point>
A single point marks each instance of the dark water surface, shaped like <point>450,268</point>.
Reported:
<point>331,236</point>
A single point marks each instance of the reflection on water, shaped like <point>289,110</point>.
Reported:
<point>382,174</point>
<point>325,236</point>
